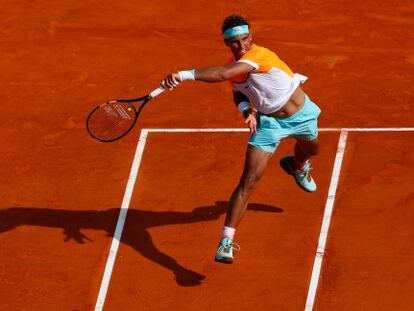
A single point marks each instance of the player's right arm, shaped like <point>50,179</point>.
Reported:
<point>244,106</point>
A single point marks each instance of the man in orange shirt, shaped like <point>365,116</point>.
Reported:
<point>274,106</point>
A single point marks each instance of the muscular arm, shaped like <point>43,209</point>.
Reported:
<point>219,74</point>
<point>239,97</point>
<point>211,74</point>
<point>248,114</point>
<point>222,73</point>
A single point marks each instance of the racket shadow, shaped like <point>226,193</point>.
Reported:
<point>135,234</point>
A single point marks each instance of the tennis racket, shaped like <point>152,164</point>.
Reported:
<point>116,118</point>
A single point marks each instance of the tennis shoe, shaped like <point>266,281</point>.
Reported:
<point>302,176</point>
<point>225,249</point>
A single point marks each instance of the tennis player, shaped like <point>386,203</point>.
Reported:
<point>269,96</point>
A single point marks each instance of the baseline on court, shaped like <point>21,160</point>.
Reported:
<point>326,217</point>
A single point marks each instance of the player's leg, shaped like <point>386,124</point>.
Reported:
<point>304,150</point>
<point>255,164</point>
<point>299,165</point>
<point>304,127</point>
<point>254,167</point>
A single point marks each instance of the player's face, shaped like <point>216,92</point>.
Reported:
<point>239,45</point>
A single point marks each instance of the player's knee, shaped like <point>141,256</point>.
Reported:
<point>248,183</point>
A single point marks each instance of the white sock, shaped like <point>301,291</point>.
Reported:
<point>228,232</point>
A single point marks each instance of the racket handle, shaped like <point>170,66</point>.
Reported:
<point>157,92</point>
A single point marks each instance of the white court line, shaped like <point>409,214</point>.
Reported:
<point>121,221</point>
<point>317,264</point>
<point>197,130</point>
<point>369,129</point>
<point>226,130</point>
<point>134,172</point>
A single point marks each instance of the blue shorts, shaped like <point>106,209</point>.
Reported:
<point>270,130</point>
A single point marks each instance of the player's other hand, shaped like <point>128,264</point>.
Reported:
<point>251,122</point>
<point>171,81</point>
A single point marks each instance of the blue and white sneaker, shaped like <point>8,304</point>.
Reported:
<point>302,177</point>
<point>225,249</point>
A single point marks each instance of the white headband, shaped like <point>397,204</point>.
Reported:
<point>235,31</point>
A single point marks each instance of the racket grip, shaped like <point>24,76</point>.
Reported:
<point>157,92</point>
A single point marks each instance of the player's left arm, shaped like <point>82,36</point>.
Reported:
<point>222,73</point>
<point>209,74</point>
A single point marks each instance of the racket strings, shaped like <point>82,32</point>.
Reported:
<point>111,121</point>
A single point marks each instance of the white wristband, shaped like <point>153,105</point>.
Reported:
<point>187,75</point>
<point>243,106</point>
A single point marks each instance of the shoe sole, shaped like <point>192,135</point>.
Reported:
<point>284,164</point>
<point>224,260</point>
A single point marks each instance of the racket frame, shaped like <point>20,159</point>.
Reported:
<point>144,99</point>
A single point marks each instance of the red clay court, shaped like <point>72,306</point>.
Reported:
<point>134,225</point>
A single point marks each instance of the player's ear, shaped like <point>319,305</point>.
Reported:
<point>226,42</point>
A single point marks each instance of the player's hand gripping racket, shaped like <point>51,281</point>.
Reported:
<point>114,119</point>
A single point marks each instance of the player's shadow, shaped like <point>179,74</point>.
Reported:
<point>135,233</point>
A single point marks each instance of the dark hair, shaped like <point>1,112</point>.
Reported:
<point>233,21</point>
